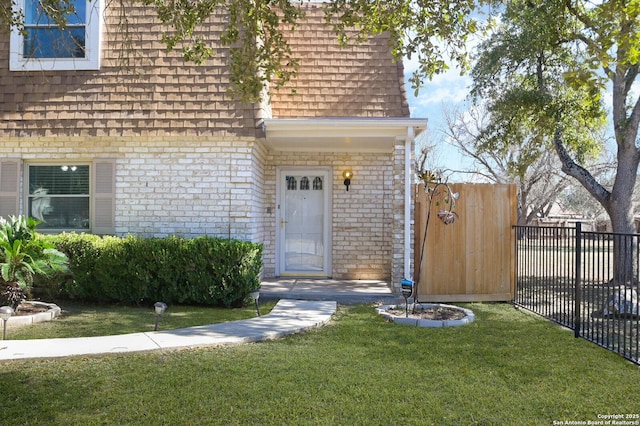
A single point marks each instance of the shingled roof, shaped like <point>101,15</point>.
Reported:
<point>161,95</point>
<point>140,89</point>
<point>359,80</point>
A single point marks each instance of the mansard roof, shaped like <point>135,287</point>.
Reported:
<point>143,90</point>
<point>359,80</point>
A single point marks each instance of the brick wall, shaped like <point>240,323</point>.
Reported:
<point>167,186</point>
<point>226,188</point>
<point>362,217</point>
<point>260,212</point>
<point>190,160</point>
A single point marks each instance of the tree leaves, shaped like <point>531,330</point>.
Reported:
<point>550,64</point>
<point>521,73</point>
<point>431,31</point>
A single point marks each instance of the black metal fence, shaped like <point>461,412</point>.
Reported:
<point>583,280</point>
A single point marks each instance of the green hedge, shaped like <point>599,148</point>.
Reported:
<point>132,270</point>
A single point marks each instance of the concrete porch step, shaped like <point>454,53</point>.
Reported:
<point>341,291</point>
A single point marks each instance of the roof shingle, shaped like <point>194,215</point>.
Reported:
<point>360,80</point>
<point>141,89</point>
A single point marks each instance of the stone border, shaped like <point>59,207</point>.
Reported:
<point>469,318</point>
<point>19,321</point>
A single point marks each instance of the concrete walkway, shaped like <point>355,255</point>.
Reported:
<point>287,317</point>
<point>341,291</point>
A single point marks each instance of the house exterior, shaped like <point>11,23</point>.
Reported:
<point>121,139</point>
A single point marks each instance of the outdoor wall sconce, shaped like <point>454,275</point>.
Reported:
<point>255,295</point>
<point>5,314</point>
<point>160,308</point>
<point>347,175</point>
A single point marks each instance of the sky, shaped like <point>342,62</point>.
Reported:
<point>445,91</point>
<point>448,90</point>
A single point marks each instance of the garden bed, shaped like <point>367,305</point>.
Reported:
<point>427,315</point>
<point>33,312</point>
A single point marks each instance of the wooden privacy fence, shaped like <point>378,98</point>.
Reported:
<point>470,260</point>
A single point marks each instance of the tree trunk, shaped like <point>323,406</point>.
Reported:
<point>616,202</point>
<point>620,210</point>
<point>619,204</point>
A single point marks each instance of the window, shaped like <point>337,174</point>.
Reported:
<point>44,46</point>
<point>65,196</point>
<point>304,184</point>
<point>317,183</point>
<point>59,196</point>
<point>292,183</point>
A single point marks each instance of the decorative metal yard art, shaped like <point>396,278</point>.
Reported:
<point>441,194</point>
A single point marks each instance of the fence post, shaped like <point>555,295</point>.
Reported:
<point>578,278</point>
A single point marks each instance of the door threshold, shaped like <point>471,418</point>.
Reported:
<point>303,276</point>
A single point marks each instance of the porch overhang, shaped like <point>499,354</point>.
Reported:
<point>339,134</point>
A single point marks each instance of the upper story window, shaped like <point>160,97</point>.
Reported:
<point>42,45</point>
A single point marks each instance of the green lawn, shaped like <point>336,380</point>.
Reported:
<point>81,320</point>
<point>506,368</point>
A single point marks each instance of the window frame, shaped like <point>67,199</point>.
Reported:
<point>93,40</point>
<point>90,196</point>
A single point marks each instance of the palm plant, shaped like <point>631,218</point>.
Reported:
<point>23,255</point>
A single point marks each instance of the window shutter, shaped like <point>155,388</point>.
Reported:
<point>104,196</point>
<point>9,187</point>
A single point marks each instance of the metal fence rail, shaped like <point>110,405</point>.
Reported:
<point>569,276</point>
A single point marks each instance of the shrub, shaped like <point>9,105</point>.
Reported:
<point>23,256</point>
<point>135,270</point>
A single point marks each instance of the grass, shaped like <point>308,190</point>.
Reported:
<point>506,368</point>
<point>81,320</point>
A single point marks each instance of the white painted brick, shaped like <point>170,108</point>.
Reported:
<point>193,182</point>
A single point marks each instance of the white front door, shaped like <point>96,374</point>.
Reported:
<point>304,222</point>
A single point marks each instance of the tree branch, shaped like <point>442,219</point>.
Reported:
<point>570,167</point>
<point>630,77</point>
<point>633,121</point>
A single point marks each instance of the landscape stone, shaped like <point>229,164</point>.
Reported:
<point>623,301</point>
